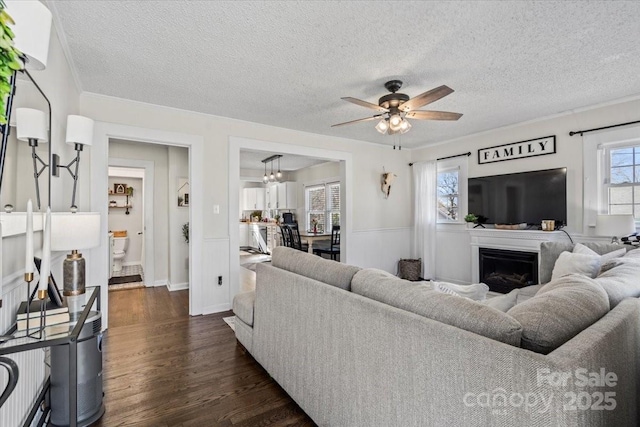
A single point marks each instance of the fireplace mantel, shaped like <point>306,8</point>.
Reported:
<point>515,240</point>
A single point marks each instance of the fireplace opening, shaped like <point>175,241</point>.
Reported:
<point>504,271</point>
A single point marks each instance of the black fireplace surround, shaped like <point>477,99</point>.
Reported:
<point>504,271</point>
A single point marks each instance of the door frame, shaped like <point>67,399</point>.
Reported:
<point>148,265</point>
<point>97,266</point>
<point>236,144</point>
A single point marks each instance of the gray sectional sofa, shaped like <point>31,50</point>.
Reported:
<point>358,347</point>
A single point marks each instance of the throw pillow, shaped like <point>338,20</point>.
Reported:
<point>503,302</point>
<point>570,263</point>
<point>619,278</point>
<point>579,248</point>
<point>476,292</point>
<point>559,311</point>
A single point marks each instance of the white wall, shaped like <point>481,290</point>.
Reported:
<point>159,155</point>
<point>132,223</point>
<point>453,242</point>
<point>178,248</point>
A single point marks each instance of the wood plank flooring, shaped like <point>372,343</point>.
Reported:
<point>164,368</point>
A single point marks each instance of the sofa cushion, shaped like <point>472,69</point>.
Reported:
<point>571,263</point>
<point>420,299</point>
<point>579,248</point>
<point>313,266</point>
<point>527,292</point>
<point>476,291</point>
<point>243,306</point>
<point>503,302</point>
<point>550,251</point>
<point>559,311</point>
<point>620,278</point>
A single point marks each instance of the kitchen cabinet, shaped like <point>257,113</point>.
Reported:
<point>254,199</point>
<point>272,196</point>
<point>283,196</point>
<point>244,235</point>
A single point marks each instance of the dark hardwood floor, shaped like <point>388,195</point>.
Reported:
<point>164,368</point>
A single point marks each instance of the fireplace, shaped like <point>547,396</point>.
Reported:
<point>504,270</point>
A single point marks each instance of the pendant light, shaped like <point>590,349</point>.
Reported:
<point>278,174</point>
<point>272,177</point>
<point>265,178</point>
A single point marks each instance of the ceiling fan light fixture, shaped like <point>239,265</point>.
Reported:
<point>382,126</point>
<point>395,120</point>
<point>405,126</point>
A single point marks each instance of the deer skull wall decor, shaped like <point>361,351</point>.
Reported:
<point>386,181</point>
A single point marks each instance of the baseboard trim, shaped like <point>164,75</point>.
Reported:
<point>162,282</point>
<point>130,263</point>
<point>177,286</point>
<point>216,308</point>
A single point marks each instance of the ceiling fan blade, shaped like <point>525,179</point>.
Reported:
<point>365,104</point>
<point>377,116</point>
<point>426,98</point>
<point>433,115</point>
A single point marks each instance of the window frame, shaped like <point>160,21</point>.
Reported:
<point>604,202</point>
<point>461,165</point>
<point>329,209</point>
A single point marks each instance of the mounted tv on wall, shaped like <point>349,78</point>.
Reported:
<point>527,197</point>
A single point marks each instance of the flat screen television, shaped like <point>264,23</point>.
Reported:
<point>520,197</point>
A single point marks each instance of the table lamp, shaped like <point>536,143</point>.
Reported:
<point>72,232</point>
<point>615,225</point>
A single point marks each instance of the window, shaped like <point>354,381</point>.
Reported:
<point>322,203</point>
<point>622,182</point>
<point>448,195</point>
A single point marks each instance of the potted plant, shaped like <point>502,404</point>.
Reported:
<point>256,216</point>
<point>314,223</point>
<point>185,232</point>
<point>470,219</point>
<point>10,60</point>
<point>277,218</point>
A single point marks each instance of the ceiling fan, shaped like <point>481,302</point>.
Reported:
<point>395,108</point>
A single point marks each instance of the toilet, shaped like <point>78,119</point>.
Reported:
<point>119,251</point>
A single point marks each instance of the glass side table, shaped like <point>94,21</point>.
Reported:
<point>79,309</point>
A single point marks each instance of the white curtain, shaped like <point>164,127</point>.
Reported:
<point>425,176</point>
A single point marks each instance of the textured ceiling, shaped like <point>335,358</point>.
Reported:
<point>288,162</point>
<point>288,63</point>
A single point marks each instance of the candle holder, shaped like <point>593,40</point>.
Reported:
<point>32,332</point>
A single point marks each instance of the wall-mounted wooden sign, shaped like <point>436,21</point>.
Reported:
<point>518,150</point>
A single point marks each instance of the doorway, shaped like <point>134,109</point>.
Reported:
<point>98,265</point>
<point>238,145</point>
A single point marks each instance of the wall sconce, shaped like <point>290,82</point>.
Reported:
<point>32,127</point>
<point>79,134</point>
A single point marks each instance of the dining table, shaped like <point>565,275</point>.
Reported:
<point>311,237</point>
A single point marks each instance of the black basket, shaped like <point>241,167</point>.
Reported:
<point>410,269</point>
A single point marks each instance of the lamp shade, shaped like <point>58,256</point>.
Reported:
<point>79,130</point>
<point>32,31</point>
<point>80,230</point>
<point>31,124</point>
<point>615,225</point>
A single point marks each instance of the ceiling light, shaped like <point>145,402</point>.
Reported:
<point>382,126</point>
<point>395,120</point>
<point>265,178</point>
<point>272,177</point>
<point>405,126</point>
<point>278,174</point>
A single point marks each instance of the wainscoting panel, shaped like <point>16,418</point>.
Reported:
<point>380,248</point>
<point>215,260</point>
<point>453,253</point>
<point>33,371</point>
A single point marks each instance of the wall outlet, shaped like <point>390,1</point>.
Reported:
<point>219,280</point>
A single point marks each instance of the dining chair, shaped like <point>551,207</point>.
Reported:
<point>333,248</point>
<point>296,241</point>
